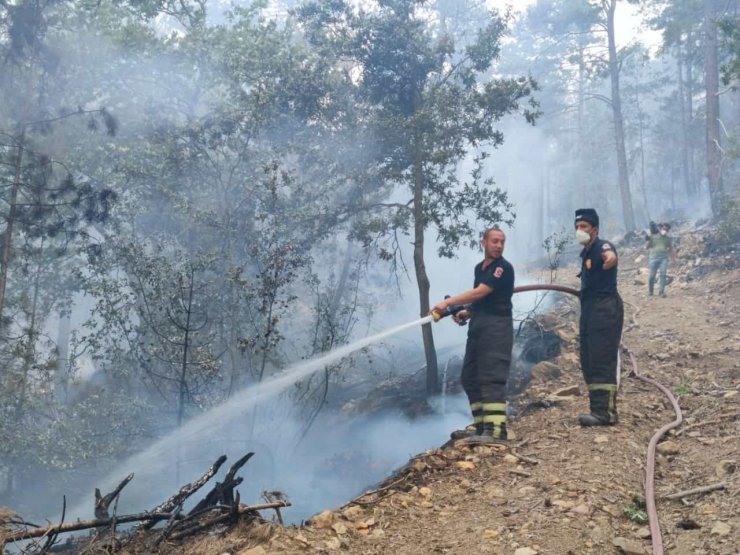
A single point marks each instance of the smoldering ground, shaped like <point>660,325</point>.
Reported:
<point>342,453</point>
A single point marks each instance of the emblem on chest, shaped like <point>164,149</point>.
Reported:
<point>588,263</point>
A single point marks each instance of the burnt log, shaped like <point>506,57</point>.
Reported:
<point>223,492</point>
<point>237,511</point>
<point>186,491</point>
<point>7,537</point>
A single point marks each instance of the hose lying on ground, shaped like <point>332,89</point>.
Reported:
<point>652,512</point>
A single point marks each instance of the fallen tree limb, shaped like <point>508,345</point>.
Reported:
<point>236,512</point>
<point>168,528</point>
<point>102,502</point>
<point>358,500</point>
<point>52,538</point>
<point>223,492</point>
<point>186,491</point>
<point>694,491</point>
<point>82,525</point>
<point>273,496</point>
<point>140,517</point>
<point>707,422</point>
<point>523,458</point>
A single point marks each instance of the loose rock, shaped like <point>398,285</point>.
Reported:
<point>465,465</point>
<point>721,529</point>
<point>425,492</point>
<point>323,520</point>
<point>725,468</point>
<point>571,391</point>
<point>668,448</point>
<point>628,547</point>
<point>353,513</point>
<point>339,528</point>
<point>333,544</point>
<point>644,533</point>
<point>545,371</point>
<point>489,534</point>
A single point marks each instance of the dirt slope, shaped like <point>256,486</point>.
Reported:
<point>560,489</point>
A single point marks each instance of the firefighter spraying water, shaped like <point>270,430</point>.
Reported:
<point>490,339</point>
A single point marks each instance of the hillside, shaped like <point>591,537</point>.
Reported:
<point>560,489</point>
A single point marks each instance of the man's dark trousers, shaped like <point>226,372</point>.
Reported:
<point>486,367</point>
<point>601,323</point>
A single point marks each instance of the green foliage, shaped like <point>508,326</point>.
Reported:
<point>554,245</point>
<point>636,514</point>
<point>730,38</point>
<point>683,389</point>
<point>636,511</point>
<point>191,175</point>
<point>431,100</point>
<point>278,258</point>
<point>728,221</point>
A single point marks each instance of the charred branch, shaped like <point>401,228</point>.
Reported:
<point>102,502</point>
<point>223,492</point>
<point>186,491</point>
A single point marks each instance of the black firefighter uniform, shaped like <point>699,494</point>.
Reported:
<point>602,316</point>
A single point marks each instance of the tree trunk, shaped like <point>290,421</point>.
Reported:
<point>61,373</point>
<point>614,68</point>
<point>685,174</point>
<point>641,127</point>
<point>580,115</point>
<point>711,84</point>
<point>12,209</point>
<point>422,280</point>
<point>690,56</point>
<point>29,356</point>
<point>185,347</point>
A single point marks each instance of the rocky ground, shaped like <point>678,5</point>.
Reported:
<point>559,489</point>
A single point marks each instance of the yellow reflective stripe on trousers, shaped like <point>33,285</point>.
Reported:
<point>478,419</point>
<point>494,407</point>
<point>495,419</point>
<point>476,406</point>
<point>602,387</point>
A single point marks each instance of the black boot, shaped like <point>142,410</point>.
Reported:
<point>491,433</point>
<point>603,402</point>
<point>592,419</point>
<point>468,431</point>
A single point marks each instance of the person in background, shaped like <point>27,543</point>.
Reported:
<point>600,325</point>
<point>660,247</point>
<point>490,339</point>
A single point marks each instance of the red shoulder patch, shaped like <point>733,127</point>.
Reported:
<point>499,272</point>
<point>606,246</point>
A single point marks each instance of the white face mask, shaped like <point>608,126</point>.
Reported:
<point>663,231</point>
<point>582,237</point>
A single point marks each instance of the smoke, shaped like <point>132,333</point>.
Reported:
<point>341,456</point>
<point>152,92</point>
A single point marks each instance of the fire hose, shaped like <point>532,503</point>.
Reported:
<point>655,534</point>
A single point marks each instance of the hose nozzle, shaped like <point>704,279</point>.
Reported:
<point>449,311</point>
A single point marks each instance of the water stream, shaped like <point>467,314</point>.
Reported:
<point>157,460</point>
